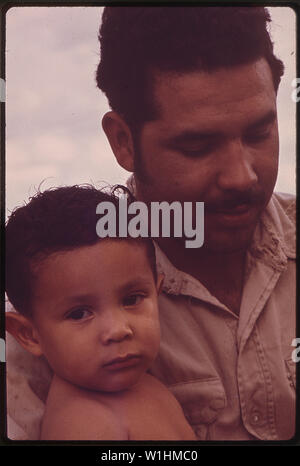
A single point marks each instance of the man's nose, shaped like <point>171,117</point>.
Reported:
<point>116,326</point>
<point>236,168</point>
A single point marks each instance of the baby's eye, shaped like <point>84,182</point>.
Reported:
<point>133,300</point>
<point>79,313</point>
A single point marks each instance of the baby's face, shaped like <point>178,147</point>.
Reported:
<point>96,314</point>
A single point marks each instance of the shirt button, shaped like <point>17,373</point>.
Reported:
<point>255,418</point>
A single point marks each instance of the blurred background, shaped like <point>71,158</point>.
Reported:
<point>54,109</point>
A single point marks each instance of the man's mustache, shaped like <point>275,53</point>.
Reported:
<point>231,201</point>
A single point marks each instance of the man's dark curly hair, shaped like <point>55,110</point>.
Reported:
<point>58,219</point>
<point>135,41</point>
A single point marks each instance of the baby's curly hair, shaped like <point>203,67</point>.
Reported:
<point>58,219</point>
<point>137,40</point>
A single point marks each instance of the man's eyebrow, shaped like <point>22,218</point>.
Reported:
<point>263,121</point>
<point>192,136</point>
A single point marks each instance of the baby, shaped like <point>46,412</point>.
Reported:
<point>89,305</point>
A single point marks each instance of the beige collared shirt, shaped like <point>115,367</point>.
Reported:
<point>234,375</point>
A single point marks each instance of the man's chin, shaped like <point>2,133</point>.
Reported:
<point>217,242</point>
<point>230,233</point>
<point>228,242</point>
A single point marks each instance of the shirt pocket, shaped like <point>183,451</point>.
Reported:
<point>290,366</point>
<point>202,401</point>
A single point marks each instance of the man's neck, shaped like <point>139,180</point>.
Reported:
<point>221,273</point>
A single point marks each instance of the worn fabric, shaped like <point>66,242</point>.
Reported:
<point>27,383</point>
<point>233,375</point>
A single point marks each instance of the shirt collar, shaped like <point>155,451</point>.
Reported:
<point>274,239</point>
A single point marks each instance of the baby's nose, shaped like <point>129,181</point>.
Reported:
<point>117,327</point>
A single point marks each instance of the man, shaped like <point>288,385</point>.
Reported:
<point>193,98</point>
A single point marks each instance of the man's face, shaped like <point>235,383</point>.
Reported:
<point>96,315</point>
<point>215,140</point>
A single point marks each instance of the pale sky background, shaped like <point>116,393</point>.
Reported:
<point>54,109</point>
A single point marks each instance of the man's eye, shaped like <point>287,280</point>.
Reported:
<point>79,314</point>
<point>201,151</point>
<point>257,137</point>
<point>133,300</point>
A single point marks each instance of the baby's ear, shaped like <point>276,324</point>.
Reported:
<point>159,282</point>
<point>23,330</point>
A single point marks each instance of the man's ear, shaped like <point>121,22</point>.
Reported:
<point>159,282</point>
<point>120,139</point>
<point>23,330</point>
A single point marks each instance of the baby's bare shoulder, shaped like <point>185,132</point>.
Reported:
<point>165,395</point>
<point>154,383</point>
<point>81,416</point>
<point>156,414</point>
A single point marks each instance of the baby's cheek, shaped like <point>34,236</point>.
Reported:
<point>63,354</point>
<point>153,339</point>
